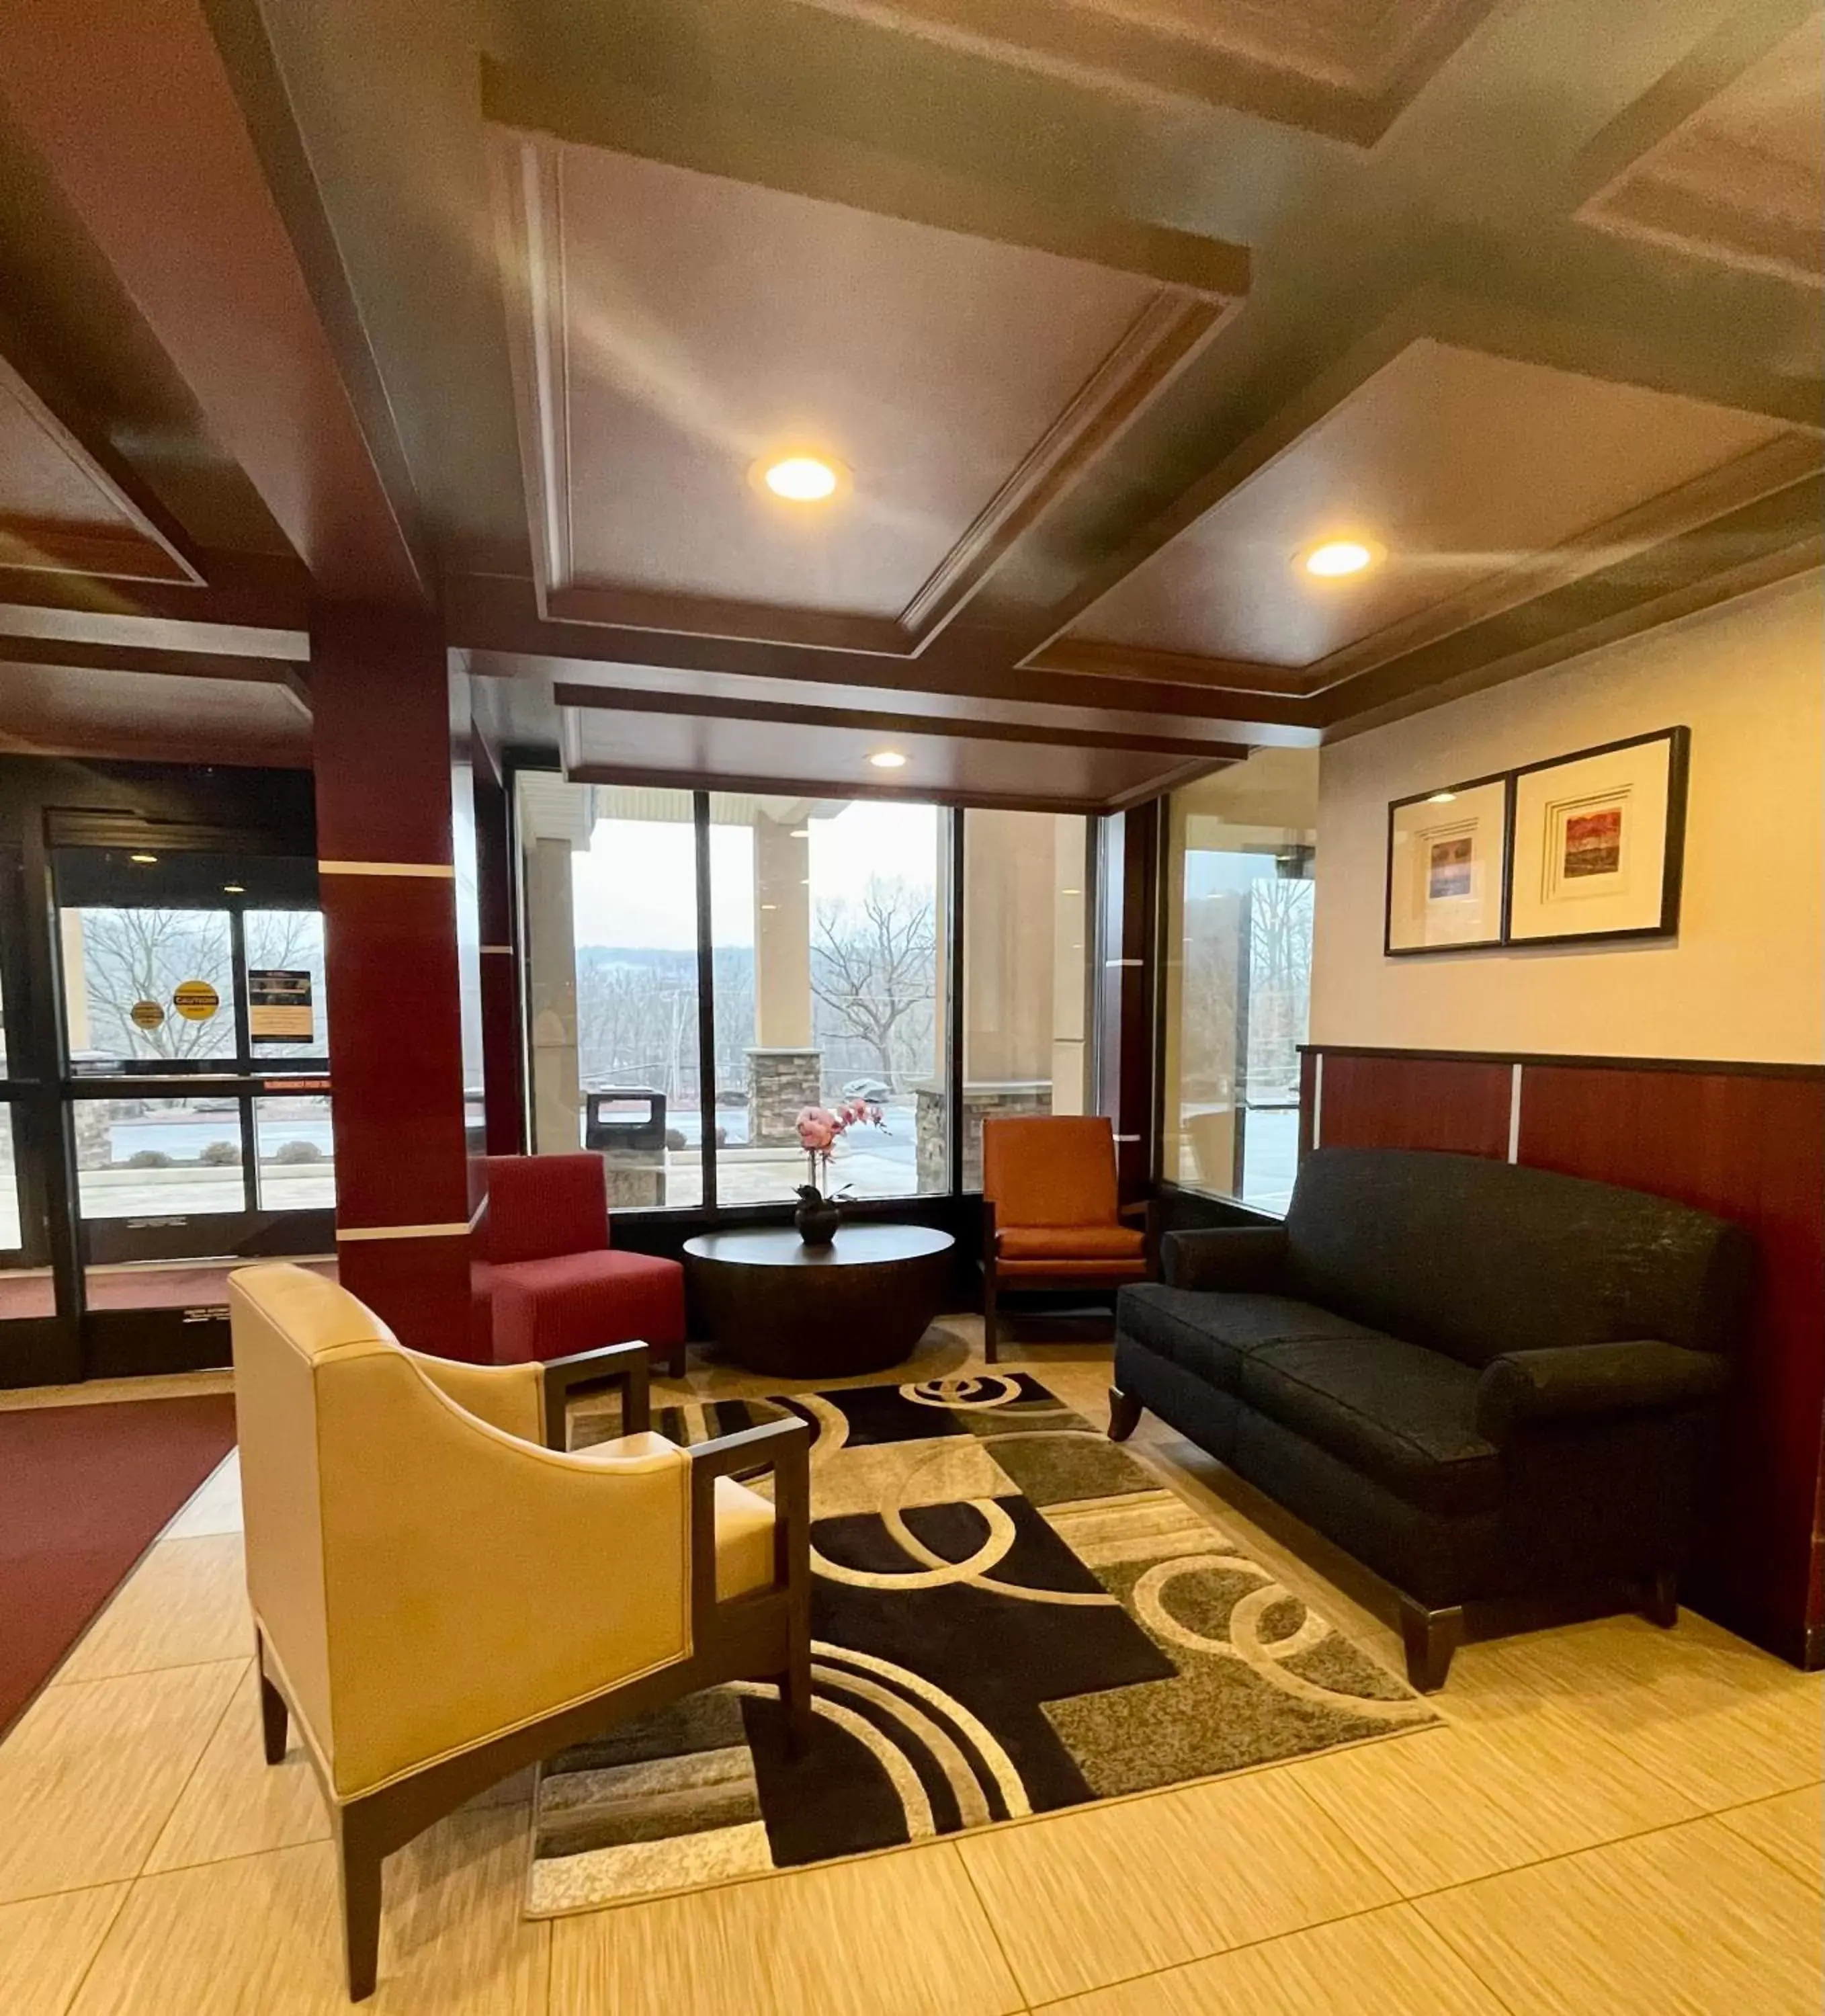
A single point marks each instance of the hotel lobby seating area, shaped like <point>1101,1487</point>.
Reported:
<point>912,1008</point>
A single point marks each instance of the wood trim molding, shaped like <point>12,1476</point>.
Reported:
<point>721,140</point>
<point>1351,87</point>
<point>1611,550</point>
<point>624,699</point>
<point>643,774</point>
<point>528,182</point>
<point>1709,1066</point>
<point>1718,217</point>
<point>151,546</point>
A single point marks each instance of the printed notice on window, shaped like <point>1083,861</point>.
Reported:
<point>279,1006</point>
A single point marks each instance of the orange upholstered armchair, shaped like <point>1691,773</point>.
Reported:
<point>1050,1215</point>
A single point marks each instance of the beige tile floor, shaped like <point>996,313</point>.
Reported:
<point>1611,1819</point>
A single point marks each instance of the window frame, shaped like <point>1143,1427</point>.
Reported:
<point>711,1208</point>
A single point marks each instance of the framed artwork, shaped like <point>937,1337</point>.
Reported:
<point>1447,868</point>
<point>1599,842</point>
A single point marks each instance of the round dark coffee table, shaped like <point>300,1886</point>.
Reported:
<point>859,1304</point>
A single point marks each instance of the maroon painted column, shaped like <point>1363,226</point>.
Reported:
<point>380,699</point>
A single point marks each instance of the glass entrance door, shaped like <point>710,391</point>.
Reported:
<point>197,1093</point>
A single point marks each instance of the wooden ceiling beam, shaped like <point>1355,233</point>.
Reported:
<point>32,388</point>
<point>81,655</point>
<point>1772,540</point>
<point>495,619</point>
<point>132,105</point>
<point>624,699</point>
<point>723,140</point>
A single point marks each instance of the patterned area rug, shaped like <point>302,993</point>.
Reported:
<point>1009,1615</point>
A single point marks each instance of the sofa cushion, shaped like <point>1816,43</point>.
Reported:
<point>1405,1416</point>
<point>1210,1335</point>
<point>1070,1242</point>
<point>1478,1258</point>
<point>549,1309</point>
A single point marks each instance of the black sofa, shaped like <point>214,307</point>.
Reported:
<point>1483,1381</point>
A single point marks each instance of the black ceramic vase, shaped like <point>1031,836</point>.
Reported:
<point>816,1217</point>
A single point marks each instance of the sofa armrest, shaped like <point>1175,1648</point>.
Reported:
<point>627,1365</point>
<point>1579,1380</point>
<point>1233,1258</point>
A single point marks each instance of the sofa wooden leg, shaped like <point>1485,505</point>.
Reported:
<point>274,1720</point>
<point>1662,1607</point>
<point>359,1861</point>
<point>1431,1637</point>
<point>1125,1413</point>
<point>675,1365</point>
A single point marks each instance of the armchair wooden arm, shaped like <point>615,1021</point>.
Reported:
<point>1147,1211</point>
<point>627,1366</point>
<point>719,1627</point>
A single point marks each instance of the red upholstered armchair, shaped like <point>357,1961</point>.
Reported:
<point>548,1284</point>
<point>1051,1217</point>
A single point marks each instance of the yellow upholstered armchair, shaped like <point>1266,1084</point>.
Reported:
<point>442,1597</point>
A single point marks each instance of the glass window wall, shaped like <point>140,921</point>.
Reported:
<point>830,924</point>
<point>1238,975</point>
<point>1026,969</point>
<point>610,903</point>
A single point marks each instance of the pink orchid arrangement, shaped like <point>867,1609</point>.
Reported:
<point>820,1128</point>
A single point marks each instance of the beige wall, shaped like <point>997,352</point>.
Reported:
<point>1745,977</point>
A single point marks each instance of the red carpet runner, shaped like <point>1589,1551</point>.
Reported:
<point>84,1491</point>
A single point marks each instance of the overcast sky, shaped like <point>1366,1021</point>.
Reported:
<point>635,885</point>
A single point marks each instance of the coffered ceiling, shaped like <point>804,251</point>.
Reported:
<point>1101,313</point>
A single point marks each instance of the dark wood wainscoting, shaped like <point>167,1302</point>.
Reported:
<point>1745,1141</point>
<point>1459,1105</point>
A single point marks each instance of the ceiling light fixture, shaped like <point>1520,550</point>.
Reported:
<point>800,475</point>
<point>144,860</point>
<point>1442,798</point>
<point>887,759</point>
<point>234,889</point>
<point>800,833</point>
<point>1336,560</point>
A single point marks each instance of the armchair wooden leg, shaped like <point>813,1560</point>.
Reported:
<point>675,1365</point>
<point>1431,1637</point>
<point>275,1719</point>
<point>990,1338</point>
<point>1662,1607</point>
<point>1125,1413</point>
<point>795,1698</point>
<point>359,1862</point>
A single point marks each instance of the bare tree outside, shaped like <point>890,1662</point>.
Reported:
<point>1279,983</point>
<point>874,975</point>
<point>131,955</point>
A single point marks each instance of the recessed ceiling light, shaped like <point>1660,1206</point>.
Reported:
<point>144,860</point>
<point>233,889</point>
<point>800,833</point>
<point>800,477</point>
<point>1335,559</point>
<point>1442,798</point>
<point>1070,892</point>
<point>887,759</point>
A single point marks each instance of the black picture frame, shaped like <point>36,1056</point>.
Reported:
<point>1673,855</point>
<point>1396,806</point>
